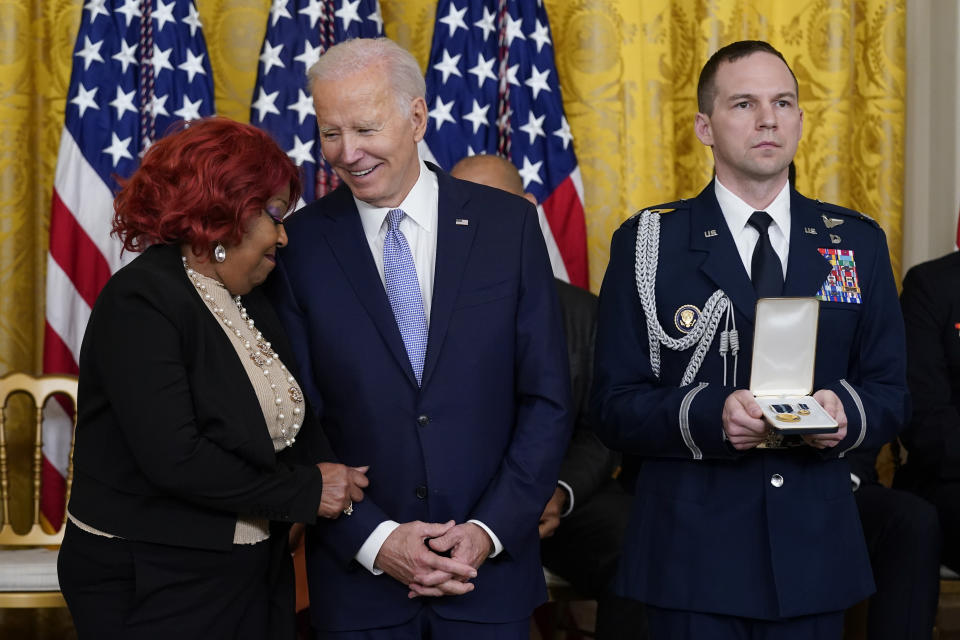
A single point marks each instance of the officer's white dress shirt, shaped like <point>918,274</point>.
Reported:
<point>736,212</point>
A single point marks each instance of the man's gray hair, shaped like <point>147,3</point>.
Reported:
<point>350,56</point>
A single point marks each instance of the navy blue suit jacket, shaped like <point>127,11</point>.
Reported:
<point>709,532</point>
<point>481,439</point>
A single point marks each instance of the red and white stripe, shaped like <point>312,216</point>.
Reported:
<point>563,223</point>
<point>82,257</point>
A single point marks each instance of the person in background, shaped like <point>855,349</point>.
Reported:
<point>195,448</point>
<point>583,524</point>
<point>736,530</point>
<point>903,540</point>
<point>443,369</point>
<point>930,301</point>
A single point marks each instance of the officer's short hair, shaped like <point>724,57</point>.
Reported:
<point>706,92</point>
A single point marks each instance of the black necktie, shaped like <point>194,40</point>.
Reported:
<point>766,270</point>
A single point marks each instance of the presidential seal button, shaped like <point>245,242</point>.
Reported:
<point>685,317</point>
<point>776,480</point>
<point>788,417</point>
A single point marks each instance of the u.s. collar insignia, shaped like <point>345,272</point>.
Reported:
<point>685,317</point>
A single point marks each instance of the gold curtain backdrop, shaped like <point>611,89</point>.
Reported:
<point>628,72</point>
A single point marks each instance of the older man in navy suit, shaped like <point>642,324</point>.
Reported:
<point>735,531</point>
<point>429,333</point>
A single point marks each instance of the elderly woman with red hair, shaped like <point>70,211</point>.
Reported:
<point>195,448</point>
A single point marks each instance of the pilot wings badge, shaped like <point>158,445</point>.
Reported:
<point>831,222</point>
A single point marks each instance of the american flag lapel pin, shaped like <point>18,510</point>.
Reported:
<point>463,222</point>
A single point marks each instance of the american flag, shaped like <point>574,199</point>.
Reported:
<point>298,31</point>
<point>492,88</point>
<point>138,67</point>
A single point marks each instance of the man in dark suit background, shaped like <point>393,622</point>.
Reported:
<point>737,531</point>
<point>931,312</point>
<point>903,539</point>
<point>428,332</point>
<point>583,525</point>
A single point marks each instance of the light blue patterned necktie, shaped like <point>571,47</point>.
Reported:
<point>403,291</point>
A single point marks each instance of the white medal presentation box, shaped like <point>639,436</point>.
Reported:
<point>781,372</point>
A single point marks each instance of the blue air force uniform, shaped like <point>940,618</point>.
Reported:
<point>765,533</point>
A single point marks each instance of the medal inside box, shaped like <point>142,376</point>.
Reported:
<point>781,372</point>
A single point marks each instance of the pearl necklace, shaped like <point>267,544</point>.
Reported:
<point>260,352</point>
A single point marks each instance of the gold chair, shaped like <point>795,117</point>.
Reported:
<point>948,608</point>
<point>29,555</point>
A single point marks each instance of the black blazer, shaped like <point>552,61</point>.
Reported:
<point>931,311</point>
<point>171,442</point>
<point>588,463</point>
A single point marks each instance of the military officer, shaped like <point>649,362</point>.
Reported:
<point>734,534</point>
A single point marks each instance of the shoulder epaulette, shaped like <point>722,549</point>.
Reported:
<point>662,209</point>
<point>828,211</point>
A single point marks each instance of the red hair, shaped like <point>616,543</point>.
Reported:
<point>201,185</point>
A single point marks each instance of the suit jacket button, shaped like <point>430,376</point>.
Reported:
<point>423,420</point>
<point>776,480</point>
<point>421,492</point>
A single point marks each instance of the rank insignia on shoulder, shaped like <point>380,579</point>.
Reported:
<point>842,284</point>
<point>685,317</point>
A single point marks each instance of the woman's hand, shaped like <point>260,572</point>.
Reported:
<point>342,486</point>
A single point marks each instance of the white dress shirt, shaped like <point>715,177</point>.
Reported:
<point>736,212</point>
<point>570,498</point>
<point>419,227</point>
